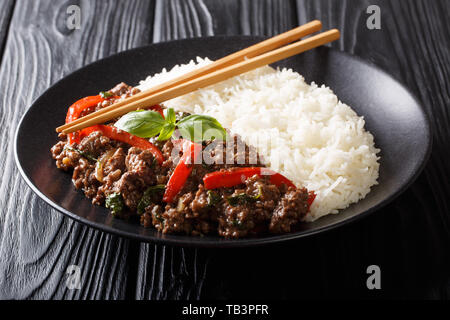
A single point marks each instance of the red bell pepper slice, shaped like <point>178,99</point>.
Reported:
<point>77,108</point>
<point>191,152</point>
<point>231,178</point>
<point>123,136</point>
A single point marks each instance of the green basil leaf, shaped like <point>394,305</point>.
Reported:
<point>143,123</point>
<point>170,116</point>
<point>166,132</point>
<point>105,94</point>
<point>115,203</point>
<point>213,198</point>
<point>198,128</point>
<point>147,197</point>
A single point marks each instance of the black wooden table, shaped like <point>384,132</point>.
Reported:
<point>409,240</point>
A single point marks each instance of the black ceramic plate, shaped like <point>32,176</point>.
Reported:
<point>392,114</point>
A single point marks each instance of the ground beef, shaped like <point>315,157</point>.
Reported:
<point>226,154</point>
<point>289,211</point>
<point>200,202</point>
<point>142,163</point>
<point>251,217</point>
<point>131,186</point>
<point>115,164</point>
<point>95,144</point>
<point>84,177</point>
<point>112,171</point>
<point>123,90</point>
<point>174,222</point>
<point>103,168</point>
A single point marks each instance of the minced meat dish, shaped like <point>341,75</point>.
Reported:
<point>153,180</point>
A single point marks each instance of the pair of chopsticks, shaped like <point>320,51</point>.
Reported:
<point>255,56</point>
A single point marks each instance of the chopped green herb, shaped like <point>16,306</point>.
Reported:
<point>114,202</point>
<point>147,197</point>
<point>154,162</point>
<point>83,154</point>
<point>148,123</point>
<point>158,217</point>
<point>213,198</point>
<point>243,198</point>
<point>105,94</point>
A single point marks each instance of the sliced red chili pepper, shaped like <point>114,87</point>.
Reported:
<point>311,197</point>
<point>231,178</point>
<point>191,152</point>
<point>157,108</point>
<point>77,108</point>
<point>123,136</point>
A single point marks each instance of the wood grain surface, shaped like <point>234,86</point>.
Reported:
<point>409,239</point>
<point>39,51</point>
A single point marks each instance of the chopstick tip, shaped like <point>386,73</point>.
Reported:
<point>318,23</point>
<point>338,33</point>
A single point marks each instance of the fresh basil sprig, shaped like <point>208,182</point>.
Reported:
<point>142,123</point>
<point>148,123</point>
<point>170,116</point>
<point>192,125</point>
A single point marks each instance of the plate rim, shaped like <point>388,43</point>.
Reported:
<point>225,243</point>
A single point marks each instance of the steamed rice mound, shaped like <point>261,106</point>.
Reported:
<point>302,131</point>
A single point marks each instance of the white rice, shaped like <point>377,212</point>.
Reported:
<point>317,141</point>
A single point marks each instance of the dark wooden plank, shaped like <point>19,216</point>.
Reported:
<point>37,244</point>
<point>413,45</point>
<point>6,11</point>
<point>176,19</point>
<point>408,239</point>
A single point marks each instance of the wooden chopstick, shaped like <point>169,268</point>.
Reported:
<point>250,52</point>
<point>212,78</point>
